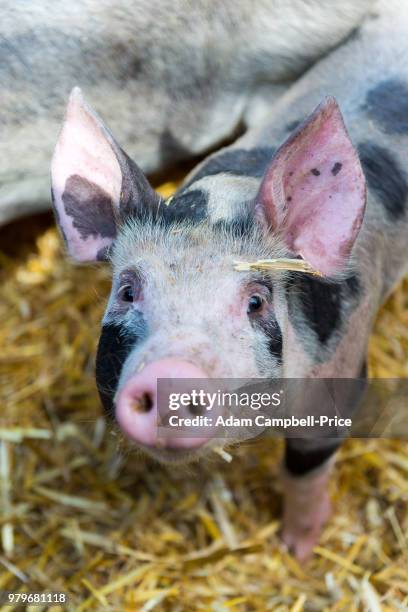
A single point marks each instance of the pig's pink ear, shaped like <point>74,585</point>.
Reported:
<point>95,185</point>
<point>314,190</point>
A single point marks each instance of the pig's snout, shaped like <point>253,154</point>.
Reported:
<point>137,406</point>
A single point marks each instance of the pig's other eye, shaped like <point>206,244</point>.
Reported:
<point>126,293</point>
<point>255,303</point>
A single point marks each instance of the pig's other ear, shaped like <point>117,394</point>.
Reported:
<point>314,191</point>
<point>95,185</point>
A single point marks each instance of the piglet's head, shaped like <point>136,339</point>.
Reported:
<point>314,192</point>
<point>178,309</point>
<point>95,185</point>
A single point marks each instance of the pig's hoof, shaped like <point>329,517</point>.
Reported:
<point>300,532</point>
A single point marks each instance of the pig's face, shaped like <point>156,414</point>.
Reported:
<point>178,309</point>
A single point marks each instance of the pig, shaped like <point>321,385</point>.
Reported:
<point>327,185</point>
<point>174,78</point>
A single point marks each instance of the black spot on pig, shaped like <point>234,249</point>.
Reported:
<point>240,162</point>
<point>189,205</point>
<point>90,207</point>
<point>299,459</point>
<point>275,341</point>
<point>336,168</point>
<point>385,178</point>
<point>315,172</point>
<point>321,302</point>
<point>321,305</point>
<point>387,105</point>
<point>115,344</point>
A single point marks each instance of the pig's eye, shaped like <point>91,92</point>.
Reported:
<point>255,303</point>
<point>126,293</point>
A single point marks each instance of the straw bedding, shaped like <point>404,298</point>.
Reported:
<point>81,514</point>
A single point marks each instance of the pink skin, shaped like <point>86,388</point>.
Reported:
<point>307,507</point>
<point>141,427</point>
<point>83,149</point>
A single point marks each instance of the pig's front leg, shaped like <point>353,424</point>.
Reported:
<point>306,497</point>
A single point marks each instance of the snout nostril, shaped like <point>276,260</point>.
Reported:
<point>137,405</point>
<point>143,403</point>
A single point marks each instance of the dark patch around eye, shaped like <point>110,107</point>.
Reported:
<point>315,172</point>
<point>387,104</point>
<point>269,326</point>
<point>275,343</point>
<point>385,178</point>
<point>115,344</point>
<point>90,207</point>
